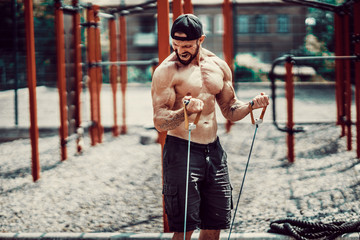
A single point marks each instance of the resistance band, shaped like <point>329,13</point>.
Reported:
<point>256,123</point>
<point>188,126</point>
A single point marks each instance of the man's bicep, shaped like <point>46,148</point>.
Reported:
<point>163,94</point>
<point>227,96</point>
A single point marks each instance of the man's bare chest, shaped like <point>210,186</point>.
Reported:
<point>196,80</point>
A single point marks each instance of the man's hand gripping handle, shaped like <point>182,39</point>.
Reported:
<point>190,126</point>
<point>258,120</point>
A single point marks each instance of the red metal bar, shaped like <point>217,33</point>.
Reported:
<point>123,70</point>
<point>188,7</point>
<point>100,129</point>
<point>339,71</point>
<point>92,76</point>
<point>113,71</point>
<point>356,15</point>
<point>289,91</point>
<point>177,8</point>
<point>31,75</point>
<point>347,68</point>
<point>61,79</point>
<point>228,47</point>
<point>163,51</point>
<point>78,69</point>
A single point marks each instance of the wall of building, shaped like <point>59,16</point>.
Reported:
<point>266,45</point>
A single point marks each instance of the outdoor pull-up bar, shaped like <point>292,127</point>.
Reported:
<point>289,87</point>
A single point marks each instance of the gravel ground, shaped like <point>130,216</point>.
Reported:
<point>116,185</point>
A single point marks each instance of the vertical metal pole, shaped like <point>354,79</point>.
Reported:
<point>228,43</point>
<point>31,75</point>
<point>15,49</point>
<point>78,69</point>
<point>347,76</point>
<point>289,91</point>
<point>339,71</point>
<point>123,70</point>
<point>61,80</point>
<point>356,16</point>
<point>92,75</point>
<point>188,7</point>
<point>113,71</point>
<point>234,30</point>
<point>163,51</point>
<point>177,9</point>
<point>100,129</point>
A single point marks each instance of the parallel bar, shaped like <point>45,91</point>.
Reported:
<point>31,75</point>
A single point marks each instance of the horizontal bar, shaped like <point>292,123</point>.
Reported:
<point>71,9</point>
<point>106,15</point>
<point>154,61</point>
<point>314,4</point>
<point>272,76</point>
<point>135,8</point>
<point>324,58</point>
<point>302,58</point>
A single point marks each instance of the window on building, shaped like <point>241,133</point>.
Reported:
<point>260,24</point>
<point>206,22</point>
<point>283,23</point>
<point>219,24</point>
<point>243,24</point>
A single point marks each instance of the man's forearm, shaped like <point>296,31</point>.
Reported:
<point>237,111</point>
<point>169,120</point>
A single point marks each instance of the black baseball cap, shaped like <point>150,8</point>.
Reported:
<point>188,24</point>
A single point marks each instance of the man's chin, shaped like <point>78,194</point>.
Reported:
<point>185,62</point>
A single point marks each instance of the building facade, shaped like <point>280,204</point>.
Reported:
<point>265,29</point>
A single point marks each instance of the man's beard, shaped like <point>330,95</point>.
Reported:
<point>192,56</point>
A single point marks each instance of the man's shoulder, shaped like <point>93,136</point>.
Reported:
<point>213,57</point>
<point>167,64</point>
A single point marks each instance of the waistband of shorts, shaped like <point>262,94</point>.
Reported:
<point>170,138</point>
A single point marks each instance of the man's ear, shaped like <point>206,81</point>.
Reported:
<point>202,38</point>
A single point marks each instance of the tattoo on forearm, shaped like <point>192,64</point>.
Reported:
<point>174,122</point>
<point>235,106</point>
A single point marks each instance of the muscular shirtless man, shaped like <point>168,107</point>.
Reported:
<point>195,74</point>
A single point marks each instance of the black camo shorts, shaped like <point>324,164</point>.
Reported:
<point>210,191</point>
